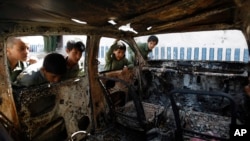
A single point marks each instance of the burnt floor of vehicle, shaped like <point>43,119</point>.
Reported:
<point>173,100</point>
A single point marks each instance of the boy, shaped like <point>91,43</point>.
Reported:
<point>115,57</point>
<point>17,57</point>
<point>74,51</point>
<point>54,66</point>
<point>146,48</point>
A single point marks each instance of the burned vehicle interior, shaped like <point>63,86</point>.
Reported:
<point>182,92</point>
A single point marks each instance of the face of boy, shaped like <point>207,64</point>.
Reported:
<point>119,54</point>
<point>18,51</point>
<point>51,77</point>
<point>74,55</point>
<point>151,45</point>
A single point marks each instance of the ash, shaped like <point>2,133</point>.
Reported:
<point>199,113</point>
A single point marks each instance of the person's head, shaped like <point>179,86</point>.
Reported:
<point>119,50</point>
<point>74,51</point>
<point>152,41</point>
<point>54,66</point>
<point>17,50</point>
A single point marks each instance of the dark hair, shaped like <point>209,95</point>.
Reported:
<point>55,63</point>
<point>153,38</point>
<point>77,45</point>
<point>80,46</point>
<point>120,45</point>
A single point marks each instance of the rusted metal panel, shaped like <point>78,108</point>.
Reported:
<point>139,14</point>
<point>7,104</point>
<point>39,106</point>
<point>97,97</point>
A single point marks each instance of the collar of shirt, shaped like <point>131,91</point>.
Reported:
<point>18,67</point>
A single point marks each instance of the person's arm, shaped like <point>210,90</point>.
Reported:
<point>74,71</point>
<point>23,79</point>
<point>108,57</point>
<point>32,60</point>
<point>30,76</point>
<point>127,64</point>
<point>247,90</point>
<point>131,58</point>
<point>143,50</point>
<point>130,64</point>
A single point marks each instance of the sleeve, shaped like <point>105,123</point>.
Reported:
<point>131,58</point>
<point>74,71</point>
<point>108,57</point>
<point>24,79</point>
<point>130,65</point>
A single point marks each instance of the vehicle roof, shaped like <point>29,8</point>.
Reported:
<point>163,16</point>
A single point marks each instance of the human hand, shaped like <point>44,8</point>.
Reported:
<point>125,69</point>
<point>247,90</point>
<point>32,60</point>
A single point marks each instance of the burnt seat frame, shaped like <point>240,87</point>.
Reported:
<point>141,118</point>
<point>7,130</point>
<point>180,131</point>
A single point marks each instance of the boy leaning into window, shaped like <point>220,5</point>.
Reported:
<point>51,71</point>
